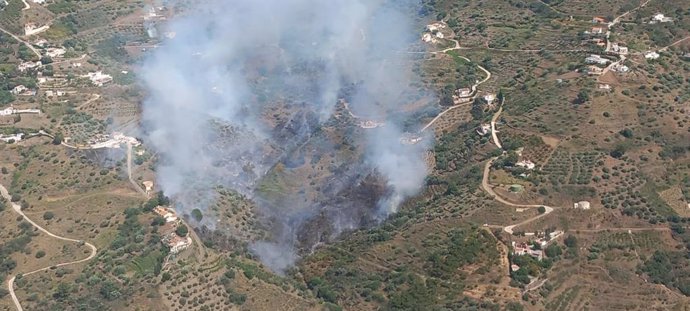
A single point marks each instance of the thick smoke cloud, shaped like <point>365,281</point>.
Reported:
<point>215,90</point>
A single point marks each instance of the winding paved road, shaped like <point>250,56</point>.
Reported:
<point>17,209</point>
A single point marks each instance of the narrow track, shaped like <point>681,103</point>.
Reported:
<point>17,209</point>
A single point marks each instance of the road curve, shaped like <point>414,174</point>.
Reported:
<point>474,88</point>
<point>487,187</point>
<point>17,209</point>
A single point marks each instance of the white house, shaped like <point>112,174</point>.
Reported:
<point>525,249</point>
<point>620,68</point>
<point>582,205</point>
<point>55,52</point>
<point>435,27</point>
<point>51,93</point>
<point>14,138</point>
<point>28,65</point>
<point>616,48</point>
<point>19,89</point>
<point>466,92</point>
<point>98,78</point>
<point>660,18</point>
<point>177,244</point>
<point>168,214</point>
<point>596,59</point>
<point>651,55</point>
<point>545,241</point>
<point>489,98</point>
<point>484,129</point>
<point>527,164</point>
<point>148,186</point>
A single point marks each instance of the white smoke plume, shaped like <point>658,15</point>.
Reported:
<point>214,88</point>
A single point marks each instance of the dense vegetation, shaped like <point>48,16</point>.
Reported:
<point>670,268</point>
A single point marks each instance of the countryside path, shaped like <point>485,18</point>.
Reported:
<point>129,171</point>
<point>29,45</point>
<point>17,209</point>
<point>488,189</point>
<point>474,88</point>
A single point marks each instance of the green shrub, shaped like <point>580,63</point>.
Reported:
<point>48,215</point>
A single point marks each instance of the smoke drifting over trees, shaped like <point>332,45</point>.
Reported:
<point>234,64</point>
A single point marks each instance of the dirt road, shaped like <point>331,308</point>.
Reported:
<point>618,19</point>
<point>494,134</point>
<point>31,47</point>
<point>673,44</point>
<point>474,89</point>
<point>441,114</point>
<point>17,209</point>
<point>487,187</point>
<point>129,171</point>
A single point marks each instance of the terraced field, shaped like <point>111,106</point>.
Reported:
<point>582,167</point>
<point>564,168</point>
<point>564,301</point>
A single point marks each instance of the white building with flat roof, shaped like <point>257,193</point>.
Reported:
<point>596,59</point>
<point>28,65</point>
<point>527,164</point>
<point>582,205</point>
<point>651,55</point>
<point>55,52</point>
<point>12,138</point>
<point>98,78</point>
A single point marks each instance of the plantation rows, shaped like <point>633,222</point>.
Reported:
<point>623,240</point>
<point>574,169</point>
<point>563,300</point>
<point>685,187</point>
